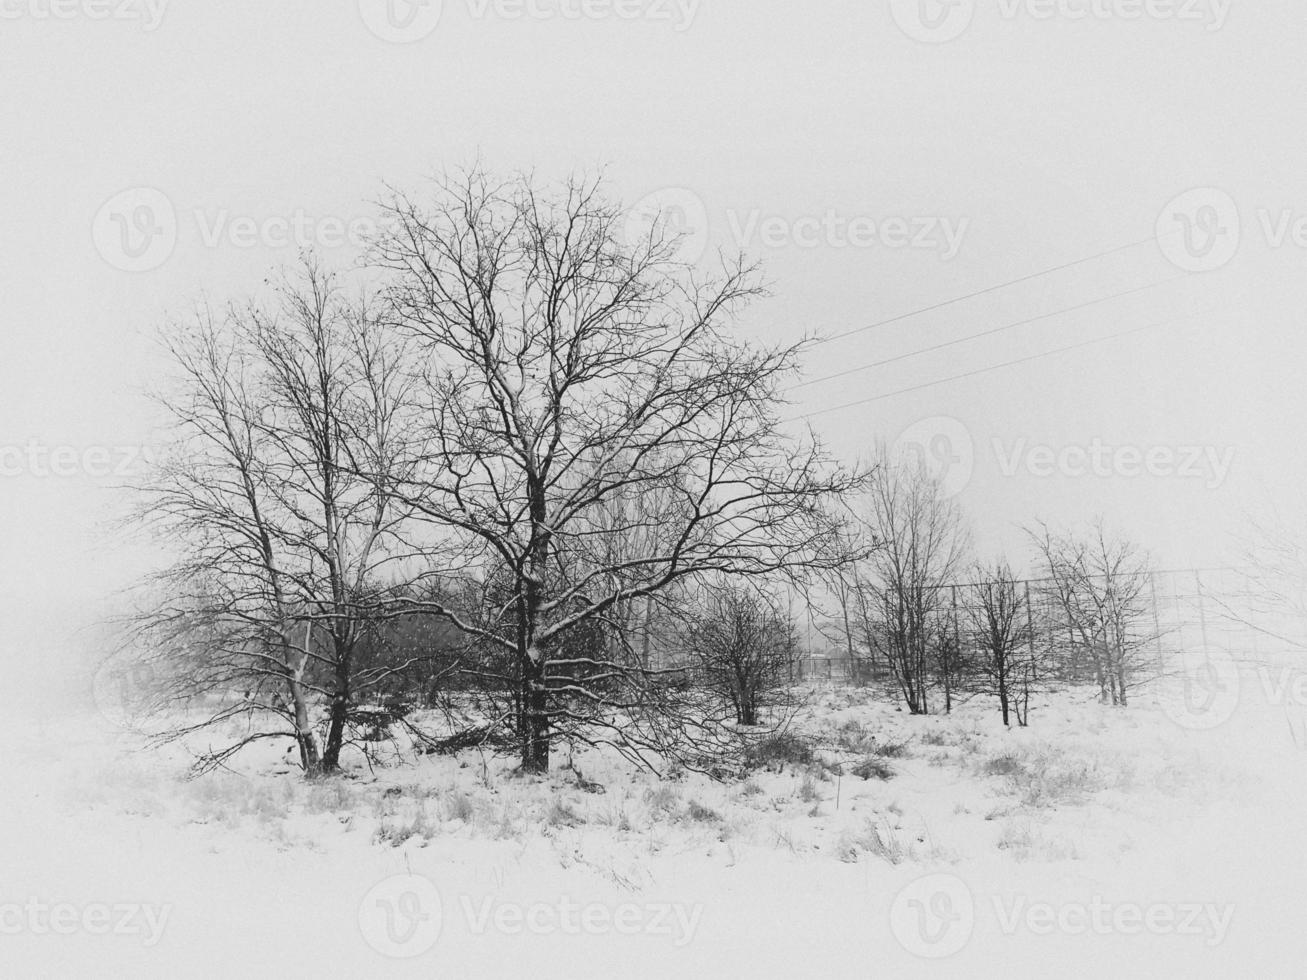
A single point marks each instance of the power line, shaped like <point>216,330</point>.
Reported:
<point>981,292</point>
<point>984,333</point>
<point>995,367</point>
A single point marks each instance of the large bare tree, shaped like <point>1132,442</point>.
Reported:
<point>582,389</point>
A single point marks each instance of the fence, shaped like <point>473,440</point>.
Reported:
<point>1186,614</point>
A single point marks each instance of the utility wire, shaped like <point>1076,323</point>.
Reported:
<point>995,367</point>
<point>985,333</point>
<point>981,292</point>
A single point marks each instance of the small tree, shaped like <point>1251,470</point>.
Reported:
<point>277,495</point>
<point>902,588</point>
<point>1002,630</point>
<point>950,663</point>
<point>1101,585</point>
<point>743,645</point>
<point>1271,604</point>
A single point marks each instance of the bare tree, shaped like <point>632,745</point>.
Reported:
<point>902,586</point>
<point>565,369</point>
<point>1101,585</point>
<point>949,660</point>
<point>1272,602</point>
<point>278,494</point>
<point>837,608</point>
<point>1002,628</point>
<point>743,644</point>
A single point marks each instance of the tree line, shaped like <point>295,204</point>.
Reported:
<point>508,467</point>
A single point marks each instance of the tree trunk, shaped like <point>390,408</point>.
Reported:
<point>339,713</point>
<point>304,737</point>
<point>948,686</point>
<point>646,639</point>
<point>1003,694</point>
<point>308,744</point>
<point>1100,674</point>
<point>535,728</point>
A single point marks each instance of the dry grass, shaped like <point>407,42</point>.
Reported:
<point>789,801</point>
<point>1027,843</point>
<point>1042,776</point>
<point>872,838</point>
<point>873,767</point>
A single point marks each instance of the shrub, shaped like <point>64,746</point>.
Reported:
<point>1044,778</point>
<point>458,806</point>
<point>1050,781</point>
<point>873,767</point>
<point>808,789</point>
<point>702,814</point>
<point>663,799</point>
<point>562,815</point>
<point>777,750</point>
<point>871,839</point>
<point>1004,764</point>
<point>328,796</point>
<point>890,750</point>
<point>854,737</point>
<point>395,832</point>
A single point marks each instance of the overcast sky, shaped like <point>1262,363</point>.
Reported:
<point>879,159</point>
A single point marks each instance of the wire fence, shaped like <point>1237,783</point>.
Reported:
<point>1186,615</point>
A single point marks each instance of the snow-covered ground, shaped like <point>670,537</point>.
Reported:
<point>1098,842</point>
